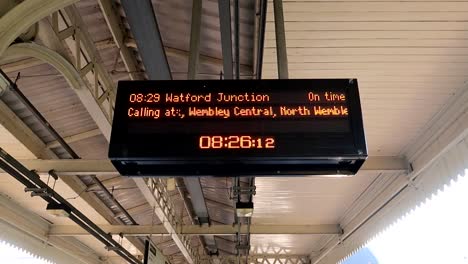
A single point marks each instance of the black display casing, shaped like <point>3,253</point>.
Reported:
<point>167,147</point>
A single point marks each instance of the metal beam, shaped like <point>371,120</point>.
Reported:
<point>157,196</point>
<point>76,137</point>
<point>197,199</point>
<point>171,52</point>
<point>144,26</point>
<point>142,20</point>
<point>19,64</point>
<point>29,12</point>
<point>178,53</point>
<point>198,202</point>
<point>114,23</point>
<point>266,259</point>
<point>102,167</point>
<point>107,182</point>
<point>280,33</point>
<point>226,36</point>
<point>193,185</point>
<point>237,37</point>
<point>84,41</point>
<point>385,163</point>
<point>195,230</point>
<point>195,39</point>
<point>135,210</point>
<point>260,38</point>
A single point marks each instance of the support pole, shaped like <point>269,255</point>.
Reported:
<point>281,53</point>
<point>261,38</point>
<point>144,26</point>
<point>195,32</point>
<point>226,36</point>
<point>237,36</point>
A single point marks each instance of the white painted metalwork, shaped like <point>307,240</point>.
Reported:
<point>191,230</point>
<point>101,167</point>
<point>30,12</point>
<point>71,75</point>
<point>86,70</point>
<point>75,138</point>
<point>267,259</point>
<point>114,22</point>
<point>427,148</point>
<point>87,60</point>
<point>157,196</point>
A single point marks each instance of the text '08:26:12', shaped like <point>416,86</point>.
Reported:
<point>236,142</point>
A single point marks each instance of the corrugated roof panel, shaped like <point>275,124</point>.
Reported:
<point>42,85</point>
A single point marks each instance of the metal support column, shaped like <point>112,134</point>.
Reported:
<point>281,53</point>
<point>193,184</point>
<point>198,203</point>
<point>226,36</point>
<point>144,26</point>
<point>261,38</point>
<point>237,37</point>
<point>195,39</point>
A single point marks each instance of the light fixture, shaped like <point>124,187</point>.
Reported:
<point>244,209</point>
<point>4,83</point>
<point>60,210</point>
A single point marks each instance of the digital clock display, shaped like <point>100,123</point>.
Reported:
<point>236,142</point>
<point>234,122</point>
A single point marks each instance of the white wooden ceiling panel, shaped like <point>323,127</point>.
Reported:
<point>309,6</point>
<point>409,58</point>
<point>306,200</point>
<point>383,16</point>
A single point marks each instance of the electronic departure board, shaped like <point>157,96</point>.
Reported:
<point>237,127</point>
